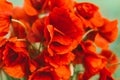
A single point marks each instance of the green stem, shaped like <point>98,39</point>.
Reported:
<point>113,64</point>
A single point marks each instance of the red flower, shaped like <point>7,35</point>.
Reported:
<point>112,60</point>
<point>42,74</point>
<point>106,33</point>
<point>93,63</point>
<point>33,7</point>
<point>20,14</point>
<point>58,42</point>
<point>59,60</point>
<point>49,73</point>
<point>53,38</point>
<point>37,4</point>
<point>84,46</point>
<point>105,74</point>
<point>15,58</point>
<point>21,28</point>
<point>86,10</point>
<point>62,72</point>
<point>45,58</point>
<point>36,34</point>
<point>66,22</point>
<point>5,16</point>
<point>62,3</point>
<point>65,31</point>
<point>89,14</point>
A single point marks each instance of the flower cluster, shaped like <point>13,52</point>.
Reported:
<point>46,39</point>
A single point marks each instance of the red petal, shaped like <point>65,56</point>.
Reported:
<point>29,9</point>
<point>86,10</point>
<point>14,71</point>
<point>111,59</point>
<point>101,42</point>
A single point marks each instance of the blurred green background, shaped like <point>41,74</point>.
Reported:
<point>109,9</point>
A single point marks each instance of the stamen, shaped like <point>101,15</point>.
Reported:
<point>84,36</point>
<point>23,25</point>
<point>71,69</point>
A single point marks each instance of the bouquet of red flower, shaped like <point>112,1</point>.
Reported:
<point>56,40</point>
